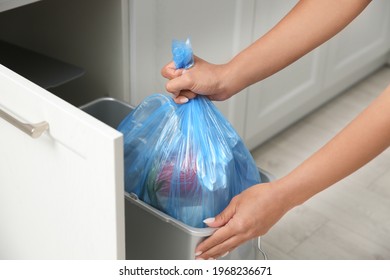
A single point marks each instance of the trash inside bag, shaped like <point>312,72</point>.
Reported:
<point>185,160</point>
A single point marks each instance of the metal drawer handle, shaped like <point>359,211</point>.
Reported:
<point>33,130</point>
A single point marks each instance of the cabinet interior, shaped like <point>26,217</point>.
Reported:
<point>77,45</point>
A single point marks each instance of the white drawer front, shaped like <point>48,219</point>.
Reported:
<point>61,195</point>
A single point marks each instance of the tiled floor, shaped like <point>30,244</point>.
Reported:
<point>351,219</point>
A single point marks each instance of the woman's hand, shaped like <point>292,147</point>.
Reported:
<point>249,214</point>
<point>203,78</point>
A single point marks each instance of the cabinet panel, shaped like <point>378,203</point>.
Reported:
<point>266,108</point>
<point>277,101</point>
<point>282,99</point>
<point>360,47</point>
<point>61,195</point>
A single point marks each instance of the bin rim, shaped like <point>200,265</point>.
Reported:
<point>111,99</point>
<point>202,232</point>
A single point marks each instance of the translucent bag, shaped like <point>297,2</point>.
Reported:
<point>182,54</point>
<point>185,160</point>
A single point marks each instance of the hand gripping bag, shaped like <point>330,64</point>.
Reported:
<point>185,160</point>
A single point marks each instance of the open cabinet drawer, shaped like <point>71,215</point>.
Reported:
<point>61,194</point>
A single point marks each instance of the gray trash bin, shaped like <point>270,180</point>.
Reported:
<point>150,233</point>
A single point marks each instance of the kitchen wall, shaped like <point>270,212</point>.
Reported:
<point>220,29</point>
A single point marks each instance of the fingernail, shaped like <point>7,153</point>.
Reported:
<point>198,253</point>
<point>208,220</point>
<point>212,259</point>
<point>183,100</point>
<point>199,259</point>
<point>224,255</point>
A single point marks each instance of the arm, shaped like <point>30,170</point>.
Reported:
<point>256,210</point>
<point>305,27</point>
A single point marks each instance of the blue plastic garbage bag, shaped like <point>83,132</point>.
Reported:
<point>182,54</point>
<point>185,160</point>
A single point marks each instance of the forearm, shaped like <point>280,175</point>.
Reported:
<point>361,141</point>
<point>308,25</point>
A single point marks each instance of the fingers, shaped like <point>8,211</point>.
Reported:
<point>181,83</point>
<point>251,213</point>
<point>184,96</point>
<point>180,99</point>
<point>224,240</point>
<point>169,71</point>
<point>178,84</point>
<point>224,217</point>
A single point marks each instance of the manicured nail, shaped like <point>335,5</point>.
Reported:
<point>198,253</point>
<point>183,99</point>
<point>208,220</point>
<point>224,255</point>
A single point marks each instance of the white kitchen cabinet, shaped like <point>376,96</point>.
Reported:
<point>282,99</point>
<point>62,193</point>
<point>220,29</point>
<point>359,49</point>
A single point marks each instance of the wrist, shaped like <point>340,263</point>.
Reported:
<point>288,193</point>
<point>229,81</point>
<point>243,70</point>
